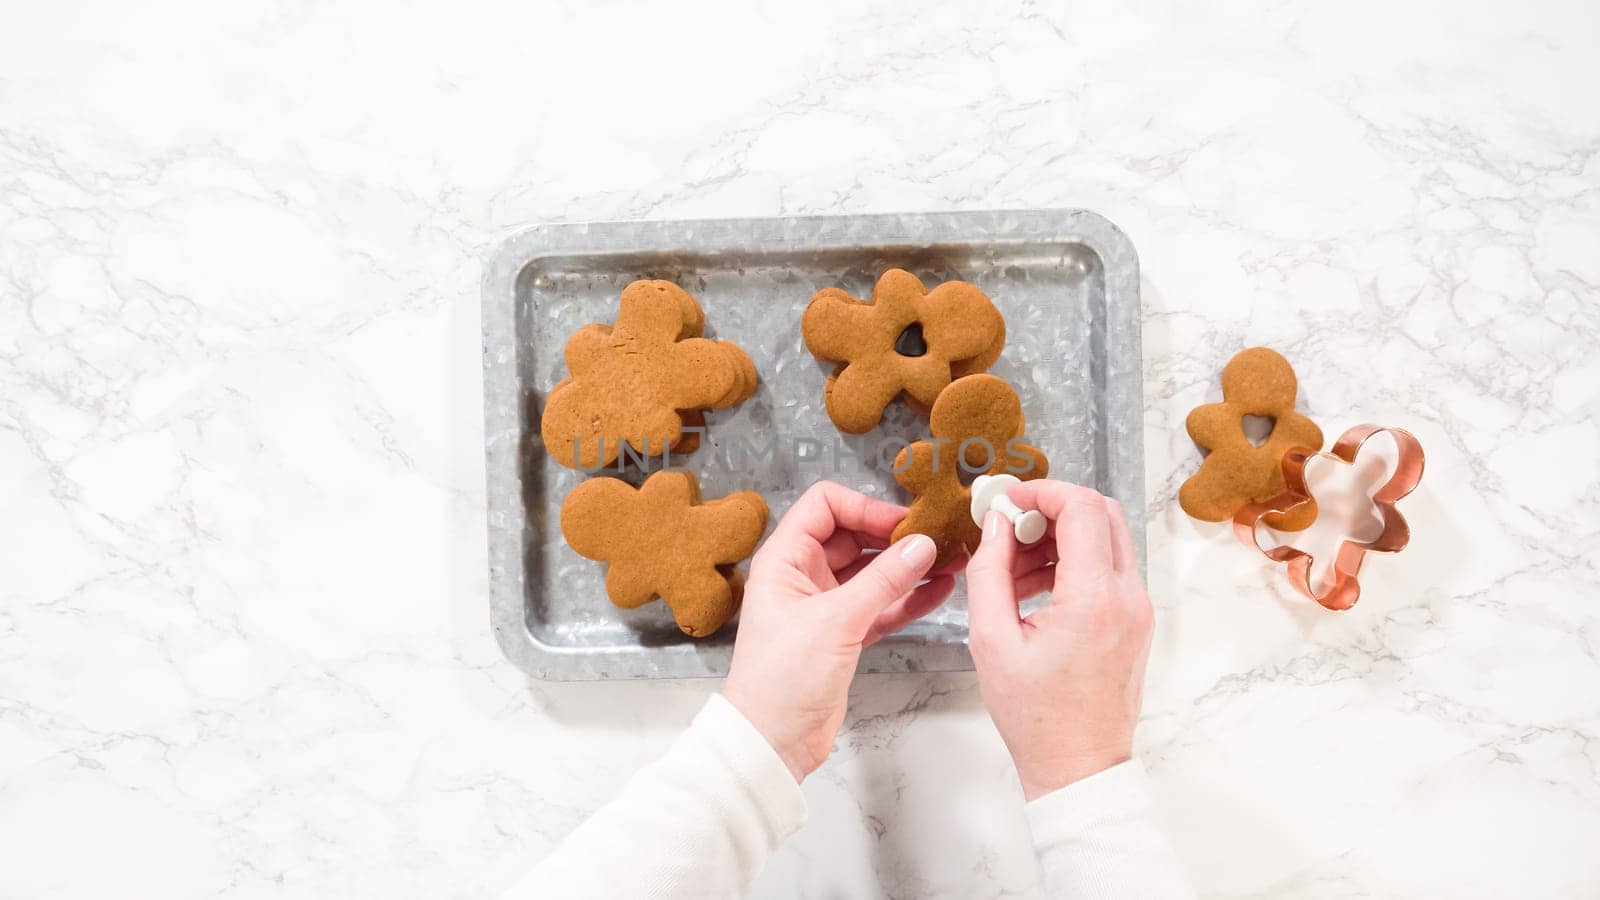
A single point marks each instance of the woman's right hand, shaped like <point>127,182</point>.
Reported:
<point>1065,684</point>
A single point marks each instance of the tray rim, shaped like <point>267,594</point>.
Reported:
<point>527,245</point>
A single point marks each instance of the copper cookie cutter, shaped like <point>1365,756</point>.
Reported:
<point>1346,588</point>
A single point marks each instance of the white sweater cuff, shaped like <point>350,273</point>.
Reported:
<point>1120,791</point>
<point>1097,838</point>
<point>698,823</point>
<point>750,763</point>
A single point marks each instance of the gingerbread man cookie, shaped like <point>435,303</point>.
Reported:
<point>906,340</point>
<point>1256,382</point>
<point>639,382</point>
<point>977,424</point>
<point>662,541</point>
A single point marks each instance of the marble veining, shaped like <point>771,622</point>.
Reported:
<point>243,640</point>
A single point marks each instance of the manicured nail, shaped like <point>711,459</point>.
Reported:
<point>918,551</point>
<point>991,524</point>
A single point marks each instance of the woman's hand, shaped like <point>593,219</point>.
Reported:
<point>1063,685</point>
<point>814,599</point>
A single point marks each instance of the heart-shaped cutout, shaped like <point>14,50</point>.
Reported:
<point>1257,429</point>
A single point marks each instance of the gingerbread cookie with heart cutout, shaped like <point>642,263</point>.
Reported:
<point>1235,471</point>
<point>907,340</point>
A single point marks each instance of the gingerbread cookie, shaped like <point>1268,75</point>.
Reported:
<point>906,340</point>
<point>662,541</point>
<point>640,381</point>
<point>977,423</point>
<point>694,427</point>
<point>1256,382</point>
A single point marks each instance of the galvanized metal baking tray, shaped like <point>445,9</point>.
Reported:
<point>1067,282</point>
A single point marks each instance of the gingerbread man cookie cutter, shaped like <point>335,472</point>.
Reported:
<point>1345,586</point>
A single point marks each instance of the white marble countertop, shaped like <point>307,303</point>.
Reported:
<point>243,623</point>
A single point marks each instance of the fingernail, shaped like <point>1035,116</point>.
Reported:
<point>991,523</point>
<point>918,551</point>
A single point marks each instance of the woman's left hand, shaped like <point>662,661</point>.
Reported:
<point>816,596</point>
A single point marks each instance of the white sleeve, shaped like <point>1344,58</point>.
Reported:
<point>1097,838</point>
<point>699,822</point>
